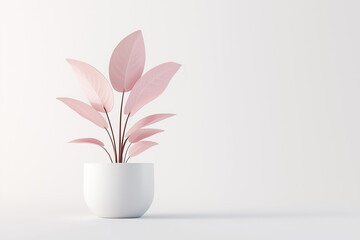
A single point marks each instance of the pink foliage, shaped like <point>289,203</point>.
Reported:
<point>140,147</point>
<point>86,111</point>
<point>126,75</point>
<point>150,86</point>
<point>147,121</point>
<point>127,62</point>
<point>142,134</point>
<point>94,84</point>
<point>88,140</point>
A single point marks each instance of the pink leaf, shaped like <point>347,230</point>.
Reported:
<point>143,133</point>
<point>140,147</point>
<point>147,121</point>
<point>150,86</point>
<point>127,62</point>
<point>86,111</point>
<point>97,89</point>
<point>88,140</point>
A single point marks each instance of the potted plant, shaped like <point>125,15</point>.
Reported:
<point>119,188</point>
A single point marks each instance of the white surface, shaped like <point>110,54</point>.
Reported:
<point>118,190</point>
<point>267,104</point>
<point>262,226</point>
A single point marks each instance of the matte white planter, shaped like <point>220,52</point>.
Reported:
<point>118,190</point>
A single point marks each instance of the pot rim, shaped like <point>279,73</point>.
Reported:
<point>117,164</point>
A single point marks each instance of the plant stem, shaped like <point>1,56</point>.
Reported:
<point>112,132</point>
<point>127,159</point>
<point>124,134</point>
<point>127,149</point>
<point>112,142</point>
<point>107,153</point>
<point>120,143</point>
<point>125,144</point>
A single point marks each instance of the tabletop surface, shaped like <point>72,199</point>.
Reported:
<point>33,224</point>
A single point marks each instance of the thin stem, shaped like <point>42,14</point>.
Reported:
<point>120,142</point>
<point>112,142</point>
<point>125,144</point>
<point>124,133</point>
<point>127,150</point>
<point>127,159</point>
<point>107,153</point>
<point>112,132</point>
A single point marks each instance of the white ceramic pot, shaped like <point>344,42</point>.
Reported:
<point>118,190</point>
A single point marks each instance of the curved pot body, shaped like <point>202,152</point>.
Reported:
<point>118,190</point>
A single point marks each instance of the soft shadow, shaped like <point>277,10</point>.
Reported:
<point>245,215</point>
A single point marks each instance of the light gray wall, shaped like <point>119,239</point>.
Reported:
<point>267,101</point>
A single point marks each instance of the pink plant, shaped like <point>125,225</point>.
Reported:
<point>126,75</point>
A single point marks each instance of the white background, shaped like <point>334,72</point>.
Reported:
<point>267,103</point>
